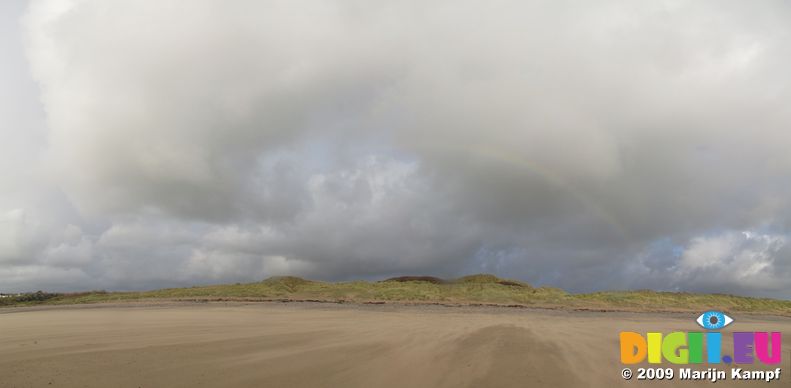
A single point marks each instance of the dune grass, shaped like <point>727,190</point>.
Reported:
<point>468,290</point>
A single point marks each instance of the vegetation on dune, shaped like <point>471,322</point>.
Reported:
<point>491,279</point>
<point>287,283</point>
<point>473,289</point>
<point>40,297</point>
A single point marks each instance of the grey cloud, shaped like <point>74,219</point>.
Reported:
<point>583,145</point>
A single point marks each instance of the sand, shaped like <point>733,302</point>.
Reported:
<point>317,345</point>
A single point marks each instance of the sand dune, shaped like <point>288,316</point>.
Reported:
<point>314,345</point>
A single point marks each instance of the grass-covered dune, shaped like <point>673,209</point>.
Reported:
<point>468,290</point>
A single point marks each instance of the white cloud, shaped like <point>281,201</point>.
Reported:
<point>733,260</point>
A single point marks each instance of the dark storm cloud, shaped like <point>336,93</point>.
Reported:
<point>588,146</point>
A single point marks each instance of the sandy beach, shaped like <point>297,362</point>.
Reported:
<point>318,345</point>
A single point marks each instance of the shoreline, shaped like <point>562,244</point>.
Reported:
<point>389,306</point>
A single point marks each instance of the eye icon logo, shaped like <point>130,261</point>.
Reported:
<point>714,320</point>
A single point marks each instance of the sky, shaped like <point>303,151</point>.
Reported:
<point>583,145</point>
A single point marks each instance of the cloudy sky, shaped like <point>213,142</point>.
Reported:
<point>584,145</point>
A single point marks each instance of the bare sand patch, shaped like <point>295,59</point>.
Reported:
<point>307,345</point>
